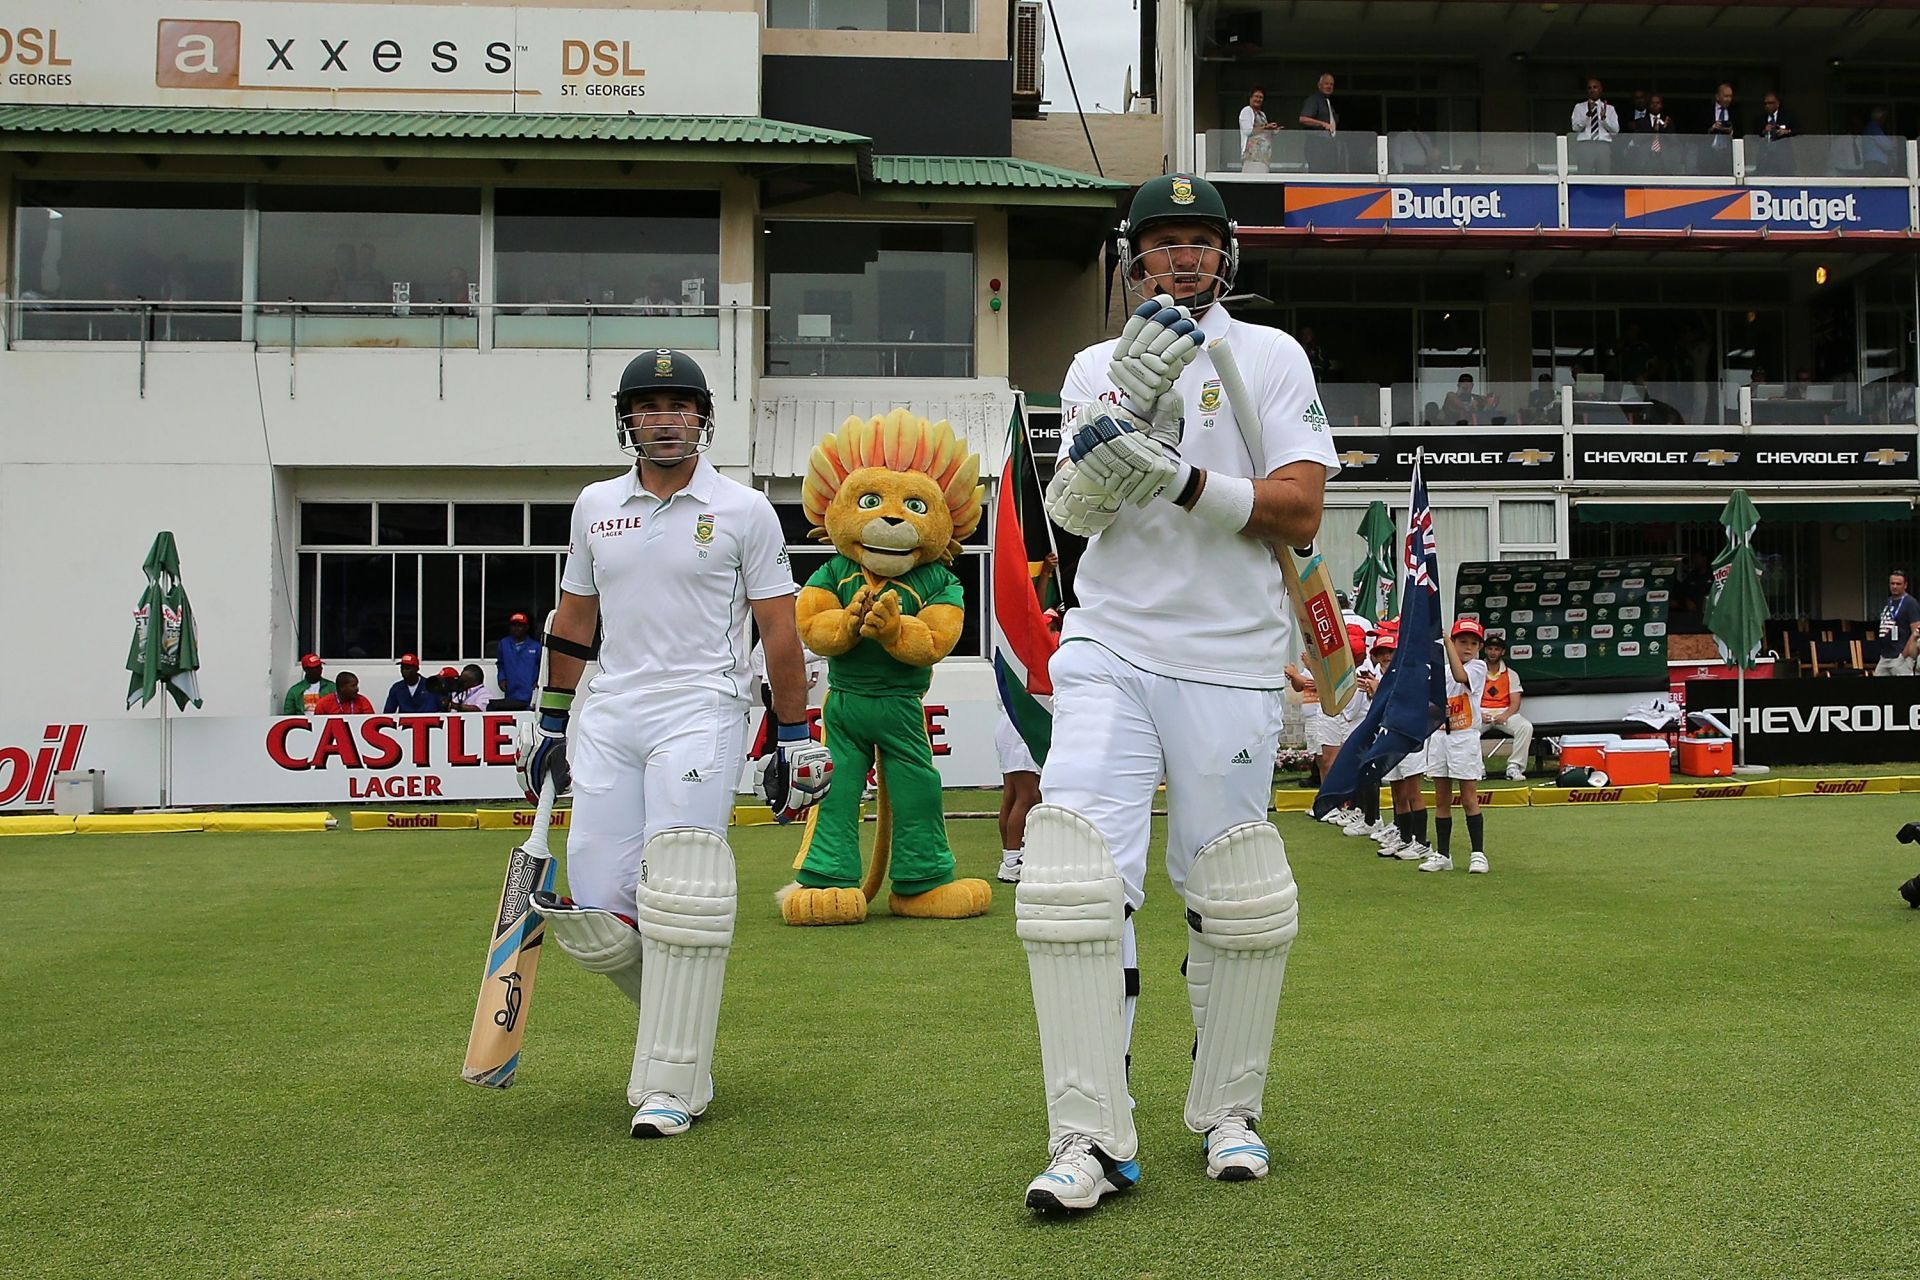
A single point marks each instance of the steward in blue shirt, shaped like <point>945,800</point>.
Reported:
<point>517,666</point>
<point>410,694</point>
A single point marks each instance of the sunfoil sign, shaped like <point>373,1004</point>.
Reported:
<point>1707,209</point>
<point>1506,206</point>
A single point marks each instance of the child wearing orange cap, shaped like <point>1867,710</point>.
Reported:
<point>1454,750</point>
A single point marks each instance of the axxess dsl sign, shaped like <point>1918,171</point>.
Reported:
<point>1819,721</point>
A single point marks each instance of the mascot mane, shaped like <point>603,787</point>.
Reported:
<point>899,441</point>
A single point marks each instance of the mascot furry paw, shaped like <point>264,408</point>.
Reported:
<point>894,495</point>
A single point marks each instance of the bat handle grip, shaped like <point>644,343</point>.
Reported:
<point>542,819</point>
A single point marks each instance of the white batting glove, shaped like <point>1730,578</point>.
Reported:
<point>1078,506</point>
<point>1124,462</point>
<point>797,773</point>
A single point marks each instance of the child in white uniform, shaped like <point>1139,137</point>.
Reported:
<point>1453,752</point>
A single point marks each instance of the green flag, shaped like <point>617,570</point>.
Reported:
<point>1736,606</point>
<point>165,650</point>
<point>1376,587</point>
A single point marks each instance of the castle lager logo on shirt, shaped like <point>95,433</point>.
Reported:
<point>1210,395</point>
<point>1182,190</point>
<point>703,528</point>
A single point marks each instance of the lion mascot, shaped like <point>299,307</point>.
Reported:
<point>894,495</point>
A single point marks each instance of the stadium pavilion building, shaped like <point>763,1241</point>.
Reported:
<point>339,293</point>
<point>1648,323</point>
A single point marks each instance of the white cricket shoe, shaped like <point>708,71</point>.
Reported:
<point>1335,818</point>
<point>1078,1175</point>
<point>1391,842</point>
<point>1009,872</point>
<point>661,1115</point>
<point>1414,851</point>
<point>1235,1152</point>
<point>1361,827</point>
<point>1437,862</point>
<point>1516,774</point>
<point>1477,864</point>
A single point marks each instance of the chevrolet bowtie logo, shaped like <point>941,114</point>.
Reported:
<point>1358,458</point>
<point>1532,457</point>
<point>1887,457</point>
<point>1716,457</point>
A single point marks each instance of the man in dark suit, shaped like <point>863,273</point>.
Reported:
<point>1718,158</point>
<point>1778,128</point>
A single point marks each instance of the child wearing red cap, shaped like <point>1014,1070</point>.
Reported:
<point>1454,750</point>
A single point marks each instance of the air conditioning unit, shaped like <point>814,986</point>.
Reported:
<point>1029,47</point>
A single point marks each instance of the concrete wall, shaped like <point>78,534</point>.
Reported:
<point>1129,146</point>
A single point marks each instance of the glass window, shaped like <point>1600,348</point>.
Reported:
<point>1528,523</point>
<point>870,299</point>
<point>356,605</point>
<point>872,15</point>
<point>103,243</point>
<point>552,524</point>
<point>403,249</point>
<point>348,524</point>
<point>413,524</point>
<point>517,582</point>
<point>642,265</point>
<point>489,524</point>
<point>440,606</point>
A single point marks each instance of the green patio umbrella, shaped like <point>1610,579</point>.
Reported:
<point>165,653</point>
<point>1376,585</point>
<point>1736,605</point>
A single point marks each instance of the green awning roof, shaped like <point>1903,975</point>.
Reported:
<point>1709,512</point>
<point>987,180</point>
<point>449,134</point>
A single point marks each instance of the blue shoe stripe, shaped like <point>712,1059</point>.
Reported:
<point>1234,1151</point>
<point>1054,1177</point>
<point>672,1117</point>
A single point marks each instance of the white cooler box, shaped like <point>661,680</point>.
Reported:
<point>79,791</point>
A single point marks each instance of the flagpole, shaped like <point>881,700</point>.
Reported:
<point>166,750</point>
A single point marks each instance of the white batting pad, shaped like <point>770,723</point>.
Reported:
<point>1242,895</point>
<point>601,941</point>
<point>686,906</point>
<point>1069,910</point>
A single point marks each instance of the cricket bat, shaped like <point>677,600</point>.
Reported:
<point>513,958</point>
<point>1323,627</point>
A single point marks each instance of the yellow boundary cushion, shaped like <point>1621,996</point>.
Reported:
<point>518,819</point>
<point>37,824</point>
<point>1729,789</point>
<point>1840,786</point>
<point>229,822</point>
<point>1505,798</point>
<point>1593,795</point>
<point>752,815</point>
<point>1293,800</point>
<point>365,820</point>
<point>136,823</point>
<point>1910,784</point>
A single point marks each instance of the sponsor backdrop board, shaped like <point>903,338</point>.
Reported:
<point>370,57</point>
<point>360,760</point>
<point>1509,457</point>
<point>1820,721</point>
<point>1504,206</point>
<point>1771,458</point>
<point>1574,619</point>
<point>1606,207</point>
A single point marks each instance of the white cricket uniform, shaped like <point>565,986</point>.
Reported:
<point>1012,749</point>
<point>1173,659</point>
<point>1412,765</point>
<point>662,739</point>
<point>1454,749</point>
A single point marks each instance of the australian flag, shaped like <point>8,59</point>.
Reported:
<point>1411,701</point>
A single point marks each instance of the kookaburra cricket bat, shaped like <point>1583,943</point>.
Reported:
<point>1323,627</point>
<point>513,958</point>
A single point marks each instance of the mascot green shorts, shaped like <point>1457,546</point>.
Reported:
<point>859,726</point>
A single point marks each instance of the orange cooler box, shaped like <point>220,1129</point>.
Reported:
<point>1637,762</point>
<point>1587,750</point>
<point>1706,757</point>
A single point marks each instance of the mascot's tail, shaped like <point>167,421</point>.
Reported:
<point>882,835</point>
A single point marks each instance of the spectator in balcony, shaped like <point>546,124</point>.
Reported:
<point>457,290</point>
<point>1595,124</point>
<point>1720,128</point>
<point>660,297</point>
<point>1318,116</point>
<point>516,661</point>
<point>1777,127</point>
<point>410,695</point>
<point>1633,123</point>
<point>1899,629</point>
<point>1411,152</point>
<point>470,690</point>
<point>305,695</point>
<point>1462,408</point>
<point>1256,133</point>
<point>1543,405</point>
<point>1655,155</point>
<point>1877,149</point>
<point>345,700</point>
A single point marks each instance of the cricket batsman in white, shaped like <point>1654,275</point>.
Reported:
<point>672,557</point>
<point>1173,661</point>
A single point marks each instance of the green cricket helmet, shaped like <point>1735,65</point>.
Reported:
<point>1179,197</point>
<point>663,369</point>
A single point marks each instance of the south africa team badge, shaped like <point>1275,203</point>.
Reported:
<point>1182,189</point>
<point>1210,395</point>
<point>703,529</point>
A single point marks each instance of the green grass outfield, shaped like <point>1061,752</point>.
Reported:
<point>1659,1040</point>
